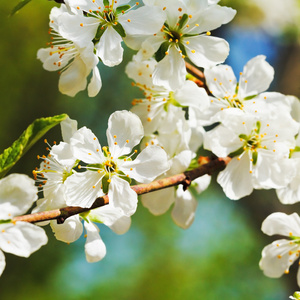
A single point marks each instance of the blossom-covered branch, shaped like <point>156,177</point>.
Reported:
<point>184,178</point>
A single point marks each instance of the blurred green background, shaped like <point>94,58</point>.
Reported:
<point>217,257</point>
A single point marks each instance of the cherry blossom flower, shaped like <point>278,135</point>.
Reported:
<point>107,23</point>
<point>186,33</point>
<point>74,62</point>
<point>55,169</point>
<point>281,254</point>
<point>248,94</point>
<point>260,149</point>
<point>109,169</point>
<point>156,107</point>
<point>290,194</point>
<point>17,193</point>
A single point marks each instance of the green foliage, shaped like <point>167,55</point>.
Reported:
<point>19,6</point>
<point>27,139</point>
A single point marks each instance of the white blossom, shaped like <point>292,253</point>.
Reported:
<point>73,61</point>
<point>248,94</point>
<point>260,149</point>
<point>186,33</point>
<point>17,193</point>
<point>109,169</point>
<point>158,105</point>
<point>281,254</point>
<point>107,23</point>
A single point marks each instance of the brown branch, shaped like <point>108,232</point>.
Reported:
<point>185,179</point>
<point>197,76</point>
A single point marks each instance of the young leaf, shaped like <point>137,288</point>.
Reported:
<point>30,136</point>
<point>19,6</point>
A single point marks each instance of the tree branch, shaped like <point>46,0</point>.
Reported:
<point>208,167</point>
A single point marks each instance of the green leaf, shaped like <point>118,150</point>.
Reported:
<point>122,8</point>
<point>27,139</point>
<point>161,52</point>
<point>19,6</point>
<point>183,20</point>
<point>106,2</point>
<point>119,29</point>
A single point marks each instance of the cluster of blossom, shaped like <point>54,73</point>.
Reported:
<point>258,130</point>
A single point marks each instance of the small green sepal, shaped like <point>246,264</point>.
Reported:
<point>183,20</point>
<point>122,9</point>
<point>119,29</point>
<point>161,52</point>
<point>237,152</point>
<point>105,183</point>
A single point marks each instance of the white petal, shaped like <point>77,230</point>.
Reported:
<point>86,146</point>
<point>109,48</point>
<point>192,95</point>
<point>142,21</point>
<point>68,128</point>
<point>2,262</point>
<point>212,17</point>
<point>173,64</point>
<point>94,247</point>
<point>49,57</point>
<point>160,201</point>
<point>236,180</point>
<point>276,258</point>
<point>73,79</point>
<point>106,214</point>
<point>82,189</point>
<point>207,51</point>
<point>222,141</point>
<point>291,193</point>
<point>63,154</point>
<point>95,83</point>
<point>273,172</point>
<point>113,217</point>
<point>221,80</point>
<point>180,162</point>
<point>17,194</point>
<point>121,195</point>
<point>149,164</point>
<point>122,225</point>
<point>69,231</point>
<point>125,130</point>
<point>21,238</point>
<point>202,183</point>
<point>282,224</point>
<point>256,77</point>
<point>184,209</point>
<point>152,119</point>
<point>77,28</point>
